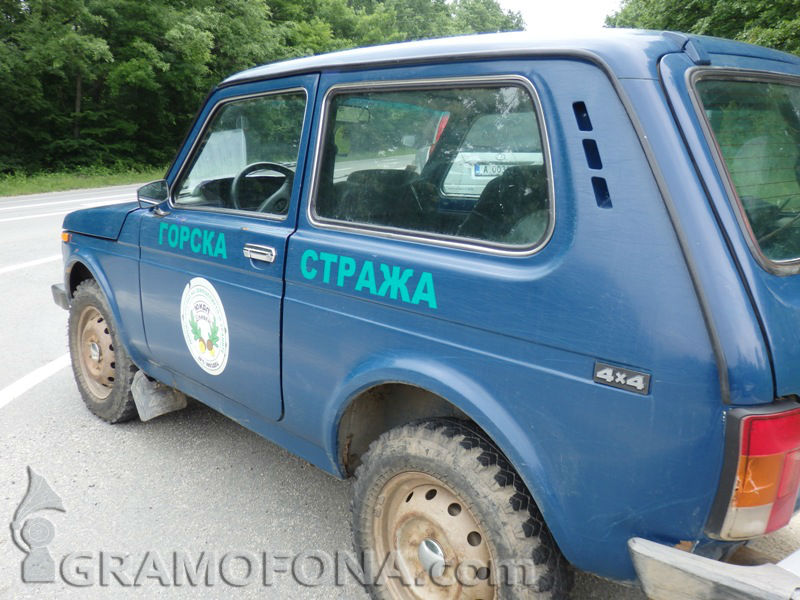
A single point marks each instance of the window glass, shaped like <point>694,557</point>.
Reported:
<point>247,156</point>
<point>462,162</point>
<point>757,127</point>
<point>493,143</point>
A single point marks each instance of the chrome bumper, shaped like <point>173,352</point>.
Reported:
<point>667,573</point>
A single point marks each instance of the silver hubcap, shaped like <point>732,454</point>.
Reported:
<point>431,556</point>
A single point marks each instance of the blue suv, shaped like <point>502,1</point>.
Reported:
<point>540,298</point>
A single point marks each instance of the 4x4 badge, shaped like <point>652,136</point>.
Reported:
<point>622,378</point>
<point>205,327</point>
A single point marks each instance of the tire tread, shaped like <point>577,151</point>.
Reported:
<point>121,406</point>
<point>470,450</point>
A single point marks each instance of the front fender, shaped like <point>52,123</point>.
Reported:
<point>114,266</point>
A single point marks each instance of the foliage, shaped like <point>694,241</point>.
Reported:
<point>213,336</point>
<point>198,335</point>
<point>102,82</point>
<point>772,23</point>
<point>20,183</point>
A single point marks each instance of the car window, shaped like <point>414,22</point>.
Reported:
<point>756,125</point>
<point>448,162</point>
<point>247,156</point>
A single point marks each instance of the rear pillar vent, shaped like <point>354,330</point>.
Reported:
<point>592,155</point>
<point>582,116</point>
<point>601,194</point>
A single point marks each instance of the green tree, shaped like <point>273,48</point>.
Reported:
<point>773,23</point>
<point>49,54</point>
<point>481,16</point>
<point>116,82</point>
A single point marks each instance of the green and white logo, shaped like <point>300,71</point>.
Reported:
<point>204,325</point>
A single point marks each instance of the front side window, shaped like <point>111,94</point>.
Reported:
<point>447,162</point>
<point>756,125</point>
<point>247,156</point>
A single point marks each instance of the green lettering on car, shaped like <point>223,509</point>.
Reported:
<point>366,278</point>
<point>199,241</point>
<point>308,272</point>
<point>396,284</point>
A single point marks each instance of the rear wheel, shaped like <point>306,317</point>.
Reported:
<point>439,503</point>
<point>102,368</point>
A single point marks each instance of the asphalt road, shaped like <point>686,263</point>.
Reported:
<point>141,497</point>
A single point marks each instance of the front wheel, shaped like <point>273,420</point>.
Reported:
<point>445,516</point>
<point>102,368</point>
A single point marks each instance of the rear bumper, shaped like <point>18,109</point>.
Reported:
<point>667,573</point>
<point>60,296</point>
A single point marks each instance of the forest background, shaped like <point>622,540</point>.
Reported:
<point>111,86</point>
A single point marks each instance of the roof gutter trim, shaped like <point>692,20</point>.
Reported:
<point>471,55</point>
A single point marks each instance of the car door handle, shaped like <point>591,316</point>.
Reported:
<point>258,252</point>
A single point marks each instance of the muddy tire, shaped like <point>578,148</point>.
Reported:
<point>438,494</point>
<point>102,368</point>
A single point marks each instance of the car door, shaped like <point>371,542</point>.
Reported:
<point>212,257</point>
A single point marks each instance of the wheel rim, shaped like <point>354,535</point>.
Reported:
<point>96,352</point>
<point>422,521</point>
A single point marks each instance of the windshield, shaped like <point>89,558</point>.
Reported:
<point>757,128</point>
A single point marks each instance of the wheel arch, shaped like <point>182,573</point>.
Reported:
<point>432,389</point>
<point>85,267</point>
<point>382,407</point>
<point>79,269</point>
<point>76,273</point>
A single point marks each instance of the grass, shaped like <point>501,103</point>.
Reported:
<point>19,184</point>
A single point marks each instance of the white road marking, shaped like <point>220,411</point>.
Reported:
<point>54,214</point>
<point>22,385</point>
<point>76,194</point>
<point>30,263</point>
<point>38,205</point>
<point>131,196</point>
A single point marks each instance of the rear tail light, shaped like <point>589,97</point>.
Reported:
<point>767,475</point>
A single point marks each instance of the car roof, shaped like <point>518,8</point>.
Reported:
<point>629,53</point>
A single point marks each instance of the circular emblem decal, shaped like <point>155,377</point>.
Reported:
<point>204,325</point>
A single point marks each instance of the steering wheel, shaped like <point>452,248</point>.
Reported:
<point>275,202</point>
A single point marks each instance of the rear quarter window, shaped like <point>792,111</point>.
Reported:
<point>450,162</point>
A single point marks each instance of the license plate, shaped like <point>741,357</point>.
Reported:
<point>489,170</point>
